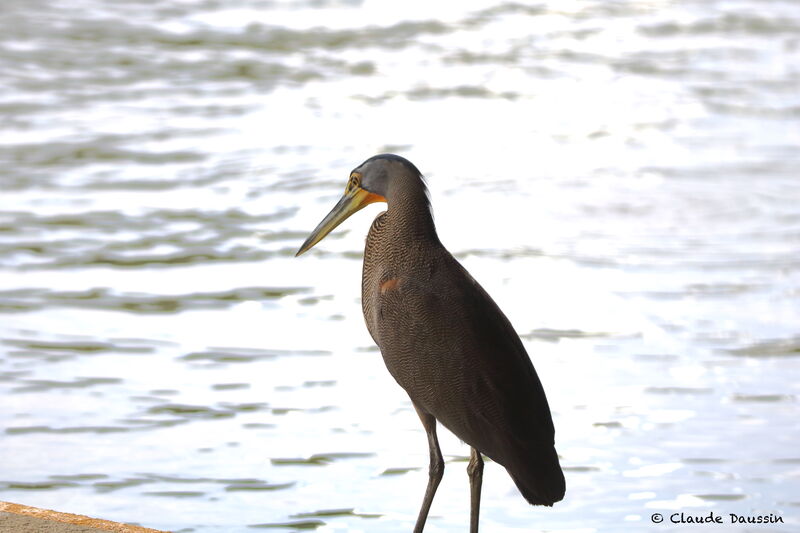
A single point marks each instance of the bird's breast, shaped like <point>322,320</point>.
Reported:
<point>389,285</point>
<point>393,261</point>
<point>373,273</point>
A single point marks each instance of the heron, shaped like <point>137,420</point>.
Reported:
<point>445,341</point>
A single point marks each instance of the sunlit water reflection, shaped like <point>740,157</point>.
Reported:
<point>621,177</point>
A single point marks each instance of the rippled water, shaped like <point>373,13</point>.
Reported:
<point>621,176</point>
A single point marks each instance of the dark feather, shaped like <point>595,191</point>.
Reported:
<point>457,356</point>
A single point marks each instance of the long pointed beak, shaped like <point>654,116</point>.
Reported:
<point>351,202</point>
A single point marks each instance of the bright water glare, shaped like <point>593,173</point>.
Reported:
<point>622,177</point>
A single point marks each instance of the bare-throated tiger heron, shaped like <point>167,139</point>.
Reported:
<point>445,341</point>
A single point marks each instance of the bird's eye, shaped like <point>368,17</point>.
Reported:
<point>355,181</point>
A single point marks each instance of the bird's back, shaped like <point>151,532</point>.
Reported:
<point>452,349</point>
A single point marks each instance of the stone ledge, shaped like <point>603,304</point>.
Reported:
<point>16,518</point>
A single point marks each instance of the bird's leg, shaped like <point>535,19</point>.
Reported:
<point>475,473</point>
<point>435,469</point>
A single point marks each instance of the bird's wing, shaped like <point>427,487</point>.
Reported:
<point>453,350</point>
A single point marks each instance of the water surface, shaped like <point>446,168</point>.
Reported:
<point>622,177</point>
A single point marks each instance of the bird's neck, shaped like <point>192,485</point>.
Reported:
<point>410,219</point>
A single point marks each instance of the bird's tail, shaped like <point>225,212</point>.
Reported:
<point>539,478</point>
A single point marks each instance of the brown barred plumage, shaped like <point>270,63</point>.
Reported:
<point>447,343</point>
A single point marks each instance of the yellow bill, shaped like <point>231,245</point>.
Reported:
<point>353,200</point>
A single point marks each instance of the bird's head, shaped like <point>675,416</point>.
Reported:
<point>372,181</point>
